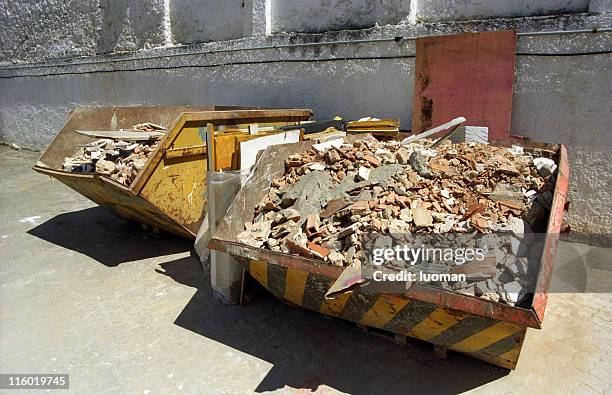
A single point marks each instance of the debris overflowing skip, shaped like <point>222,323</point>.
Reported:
<point>333,195</point>
<point>120,155</point>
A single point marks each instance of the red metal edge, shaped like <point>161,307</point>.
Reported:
<point>474,305</point>
<point>440,297</point>
<point>555,221</point>
<point>275,258</point>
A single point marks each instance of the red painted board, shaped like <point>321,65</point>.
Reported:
<point>466,75</point>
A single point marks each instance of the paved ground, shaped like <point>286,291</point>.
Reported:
<point>85,293</point>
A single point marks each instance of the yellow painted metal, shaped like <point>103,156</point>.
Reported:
<point>170,192</point>
<point>508,359</point>
<point>434,324</point>
<point>175,153</point>
<point>121,201</point>
<point>384,309</point>
<point>227,149</point>
<point>259,270</point>
<point>295,284</point>
<point>335,306</point>
<point>177,186</point>
<point>497,342</point>
<point>485,338</point>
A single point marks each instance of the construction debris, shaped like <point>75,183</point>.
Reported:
<point>545,166</point>
<point>335,194</point>
<point>115,157</point>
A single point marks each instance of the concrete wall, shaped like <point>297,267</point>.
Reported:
<point>445,10</point>
<point>39,30</point>
<point>566,100</point>
<point>313,16</point>
<point>212,20</point>
<point>561,85</point>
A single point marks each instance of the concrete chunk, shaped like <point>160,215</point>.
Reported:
<point>421,217</point>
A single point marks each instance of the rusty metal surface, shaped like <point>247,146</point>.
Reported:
<point>170,192</point>
<point>122,202</point>
<point>271,165</point>
<point>275,258</point>
<point>553,230</point>
<point>469,75</point>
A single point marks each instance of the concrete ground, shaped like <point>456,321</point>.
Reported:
<point>85,293</point>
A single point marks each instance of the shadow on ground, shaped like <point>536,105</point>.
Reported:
<point>101,235</point>
<point>309,350</point>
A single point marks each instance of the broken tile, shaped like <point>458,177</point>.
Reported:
<point>406,215</point>
<point>334,206</point>
<point>477,270</point>
<point>514,290</point>
<point>312,223</point>
<point>105,167</point>
<point>317,166</point>
<point>332,156</point>
<point>317,250</point>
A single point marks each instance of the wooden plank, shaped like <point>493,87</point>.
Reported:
<point>375,124</point>
<point>468,75</point>
<point>394,132</point>
<point>121,135</point>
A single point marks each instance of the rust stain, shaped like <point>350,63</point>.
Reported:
<point>427,112</point>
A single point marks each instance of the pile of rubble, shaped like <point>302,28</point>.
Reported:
<point>113,157</point>
<point>334,194</point>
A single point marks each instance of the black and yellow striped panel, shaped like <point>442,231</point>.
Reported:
<point>497,342</point>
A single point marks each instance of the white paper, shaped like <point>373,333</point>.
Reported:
<point>249,149</point>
